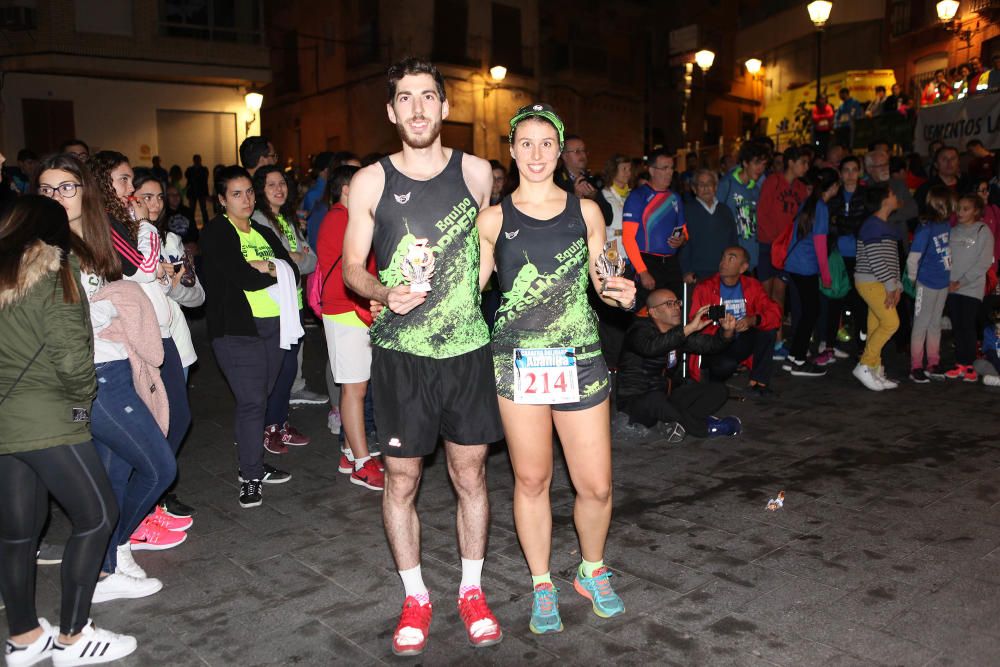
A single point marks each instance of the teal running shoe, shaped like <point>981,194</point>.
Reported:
<point>598,590</point>
<point>545,610</point>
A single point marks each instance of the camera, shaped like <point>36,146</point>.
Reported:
<point>717,312</point>
<point>594,180</point>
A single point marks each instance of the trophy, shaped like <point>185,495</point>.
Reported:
<point>418,266</point>
<point>610,263</point>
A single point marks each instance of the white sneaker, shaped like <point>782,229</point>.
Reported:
<point>991,380</point>
<point>35,652</point>
<point>867,377</point>
<point>840,354</point>
<point>127,564</point>
<point>886,382</point>
<point>94,646</point>
<point>118,585</point>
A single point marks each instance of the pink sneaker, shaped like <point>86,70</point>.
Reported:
<point>150,537</point>
<point>161,519</point>
<point>824,358</point>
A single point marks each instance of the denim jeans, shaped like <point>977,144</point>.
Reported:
<point>251,365</point>
<point>136,455</point>
<point>175,382</point>
<point>277,401</point>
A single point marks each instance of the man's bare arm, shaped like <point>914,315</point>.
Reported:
<point>366,188</point>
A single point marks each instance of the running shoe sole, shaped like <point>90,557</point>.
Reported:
<point>552,631</point>
<point>359,482</point>
<point>585,593</point>
<point>486,643</point>
<point>254,504</point>
<point>146,546</point>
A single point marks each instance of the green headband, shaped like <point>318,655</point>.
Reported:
<point>539,111</point>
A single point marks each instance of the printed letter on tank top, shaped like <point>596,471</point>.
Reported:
<point>543,271</point>
<point>443,211</point>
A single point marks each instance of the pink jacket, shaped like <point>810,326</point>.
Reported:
<point>137,329</point>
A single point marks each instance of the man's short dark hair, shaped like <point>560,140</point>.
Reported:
<point>946,147</point>
<point>252,150</point>
<point>879,89</point>
<point>972,143</point>
<point>875,195</point>
<point>322,161</point>
<point>878,142</point>
<point>73,142</point>
<point>793,153</point>
<point>845,90</point>
<point>751,150</point>
<point>657,153</point>
<point>743,251</point>
<point>848,159</point>
<point>409,67</point>
<point>569,137</point>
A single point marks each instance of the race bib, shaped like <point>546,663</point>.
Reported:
<point>545,376</point>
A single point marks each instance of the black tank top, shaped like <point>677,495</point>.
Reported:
<point>543,271</point>
<point>443,211</point>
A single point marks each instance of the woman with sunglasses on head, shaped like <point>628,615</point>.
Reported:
<point>244,320</point>
<point>128,438</point>
<point>48,385</point>
<point>544,245</point>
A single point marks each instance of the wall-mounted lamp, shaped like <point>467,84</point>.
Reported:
<point>254,101</point>
<point>753,66</point>
<point>704,59</point>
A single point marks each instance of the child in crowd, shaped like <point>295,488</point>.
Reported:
<point>971,244</point>
<point>989,367</point>
<point>928,266</point>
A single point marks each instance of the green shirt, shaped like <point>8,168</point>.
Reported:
<point>255,247</point>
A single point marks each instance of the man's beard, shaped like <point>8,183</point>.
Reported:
<point>434,131</point>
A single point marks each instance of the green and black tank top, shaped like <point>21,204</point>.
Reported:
<point>442,211</point>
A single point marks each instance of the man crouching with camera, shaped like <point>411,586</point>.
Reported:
<point>651,386</point>
<point>757,320</point>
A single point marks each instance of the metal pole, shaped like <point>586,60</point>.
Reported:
<point>819,62</point>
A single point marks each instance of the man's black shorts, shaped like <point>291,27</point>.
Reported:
<point>419,398</point>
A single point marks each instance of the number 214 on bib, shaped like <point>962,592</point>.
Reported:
<point>545,376</point>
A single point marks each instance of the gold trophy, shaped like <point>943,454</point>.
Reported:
<point>418,266</point>
<point>610,264</point>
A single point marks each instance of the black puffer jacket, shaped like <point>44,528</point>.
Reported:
<point>645,361</point>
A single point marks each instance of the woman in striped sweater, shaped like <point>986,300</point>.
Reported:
<point>877,279</point>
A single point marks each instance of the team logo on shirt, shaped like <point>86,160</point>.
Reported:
<point>402,199</point>
<point>512,235</point>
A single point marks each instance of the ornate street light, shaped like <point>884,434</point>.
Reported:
<point>753,66</point>
<point>705,58</point>
<point>254,101</point>
<point>498,73</point>
<point>946,10</point>
<point>819,12</point>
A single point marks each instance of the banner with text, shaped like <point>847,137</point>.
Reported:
<point>956,123</point>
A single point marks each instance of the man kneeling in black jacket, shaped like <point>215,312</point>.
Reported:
<point>651,387</point>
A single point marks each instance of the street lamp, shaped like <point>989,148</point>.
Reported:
<point>254,101</point>
<point>498,73</point>
<point>753,66</point>
<point>705,58</point>
<point>819,14</point>
<point>946,10</point>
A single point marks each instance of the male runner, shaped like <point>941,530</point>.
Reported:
<point>432,369</point>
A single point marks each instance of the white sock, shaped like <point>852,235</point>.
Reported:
<point>413,584</point>
<point>472,575</point>
<point>359,463</point>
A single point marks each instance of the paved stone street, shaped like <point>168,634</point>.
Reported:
<point>887,550</point>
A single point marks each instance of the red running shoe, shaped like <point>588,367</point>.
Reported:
<point>410,637</point>
<point>480,623</point>
<point>293,436</point>
<point>272,440</point>
<point>160,517</point>
<point>369,476</point>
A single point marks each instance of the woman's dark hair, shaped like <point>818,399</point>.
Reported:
<point>611,167</point>
<point>230,173</point>
<point>875,195</point>
<point>143,175</point>
<point>287,209</point>
<point>825,178</point>
<point>33,219</point>
<point>339,177</point>
<point>102,164</point>
<point>97,254</point>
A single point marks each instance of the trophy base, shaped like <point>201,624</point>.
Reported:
<point>420,287</point>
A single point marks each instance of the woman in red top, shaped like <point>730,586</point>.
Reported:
<point>822,116</point>
<point>346,334</point>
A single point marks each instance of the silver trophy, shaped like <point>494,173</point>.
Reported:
<point>418,266</point>
<point>610,264</point>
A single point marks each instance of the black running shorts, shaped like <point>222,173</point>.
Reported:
<point>592,376</point>
<point>418,399</point>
